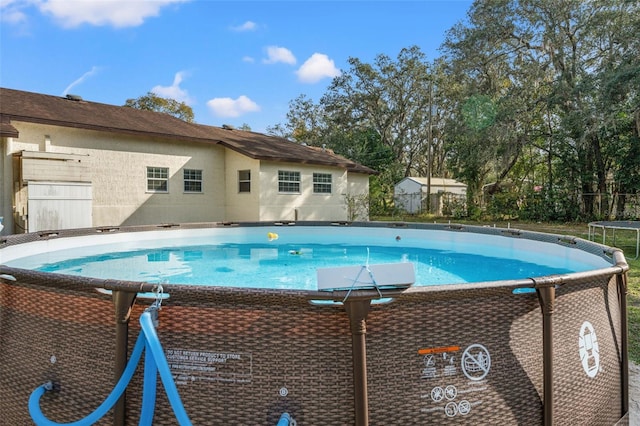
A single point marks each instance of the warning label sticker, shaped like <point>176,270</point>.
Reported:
<point>189,366</point>
<point>443,367</point>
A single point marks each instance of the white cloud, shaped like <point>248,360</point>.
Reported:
<point>247,26</point>
<point>227,107</point>
<point>279,54</point>
<point>116,13</point>
<point>174,91</point>
<point>86,75</point>
<point>317,67</point>
<point>11,11</point>
<point>248,59</point>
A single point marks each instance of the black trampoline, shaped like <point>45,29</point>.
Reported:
<point>613,225</point>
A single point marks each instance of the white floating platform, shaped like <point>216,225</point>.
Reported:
<point>385,275</point>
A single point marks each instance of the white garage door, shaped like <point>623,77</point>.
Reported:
<point>59,205</point>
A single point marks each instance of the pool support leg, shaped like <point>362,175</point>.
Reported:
<point>123,302</point>
<point>621,280</point>
<point>547,298</point>
<point>358,311</point>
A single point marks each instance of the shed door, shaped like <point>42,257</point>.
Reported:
<point>59,205</point>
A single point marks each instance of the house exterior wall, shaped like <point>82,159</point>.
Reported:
<point>358,184</point>
<point>359,193</point>
<point>115,167</point>
<point>118,168</point>
<point>266,203</point>
<point>304,205</point>
<point>39,166</point>
<point>241,206</point>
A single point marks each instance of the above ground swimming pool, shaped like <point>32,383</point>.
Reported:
<point>290,257</point>
<point>500,326</point>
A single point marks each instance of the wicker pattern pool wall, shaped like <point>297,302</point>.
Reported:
<point>457,354</point>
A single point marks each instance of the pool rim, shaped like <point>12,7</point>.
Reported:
<point>612,255</point>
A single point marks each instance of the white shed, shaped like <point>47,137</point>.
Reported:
<point>410,194</point>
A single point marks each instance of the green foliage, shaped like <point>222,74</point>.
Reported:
<point>560,75</point>
<point>634,329</point>
<point>357,206</point>
<point>504,205</point>
<point>393,99</point>
<point>153,102</point>
<point>474,212</point>
<point>381,188</point>
<point>455,208</point>
<point>479,112</point>
<point>306,123</point>
<point>633,305</point>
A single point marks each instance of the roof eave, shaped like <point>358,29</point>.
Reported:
<point>348,166</point>
<point>8,131</point>
<point>117,130</point>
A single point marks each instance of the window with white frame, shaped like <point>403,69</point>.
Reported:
<point>288,181</point>
<point>322,183</point>
<point>192,180</point>
<point>157,179</point>
<point>244,180</point>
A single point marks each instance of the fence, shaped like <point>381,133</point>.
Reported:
<point>612,206</point>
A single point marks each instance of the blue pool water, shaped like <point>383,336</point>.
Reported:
<point>245,257</point>
<point>288,266</point>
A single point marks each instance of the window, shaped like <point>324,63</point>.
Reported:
<point>322,183</point>
<point>288,181</point>
<point>157,179</point>
<point>192,180</point>
<point>244,180</point>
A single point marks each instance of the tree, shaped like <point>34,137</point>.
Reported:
<point>545,64</point>
<point>306,123</point>
<point>391,98</point>
<point>153,102</point>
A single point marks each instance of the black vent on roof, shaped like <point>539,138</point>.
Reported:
<point>74,97</point>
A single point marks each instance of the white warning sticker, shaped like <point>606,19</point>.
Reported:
<point>476,362</point>
<point>589,349</point>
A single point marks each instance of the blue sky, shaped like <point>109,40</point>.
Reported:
<point>233,62</point>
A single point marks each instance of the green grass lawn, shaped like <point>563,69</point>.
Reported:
<point>633,305</point>
<point>625,240</point>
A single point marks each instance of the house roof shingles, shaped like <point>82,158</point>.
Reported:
<point>7,130</point>
<point>18,105</point>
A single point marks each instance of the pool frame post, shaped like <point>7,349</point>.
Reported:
<point>621,280</point>
<point>547,298</point>
<point>358,310</point>
<point>123,302</point>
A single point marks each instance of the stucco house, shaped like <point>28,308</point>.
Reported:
<point>70,163</point>
<point>410,194</point>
